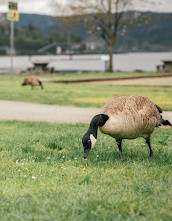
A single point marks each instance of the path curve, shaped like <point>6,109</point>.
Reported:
<point>14,110</point>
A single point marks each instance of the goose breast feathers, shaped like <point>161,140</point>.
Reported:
<point>130,117</point>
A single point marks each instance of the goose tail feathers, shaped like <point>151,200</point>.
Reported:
<point>166,123</point>
<point>163,122</point>
<point>159,109</point>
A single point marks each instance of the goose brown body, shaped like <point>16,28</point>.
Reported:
<point>33,81</point>
<point>125,117</point>
<point>130,117</point>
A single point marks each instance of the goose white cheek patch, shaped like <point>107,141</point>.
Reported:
<point>93,140</point>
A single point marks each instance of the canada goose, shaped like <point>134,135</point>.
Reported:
<point>125,117</point>
<point>33,81</point>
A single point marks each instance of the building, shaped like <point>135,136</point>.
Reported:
<point>93,43</point>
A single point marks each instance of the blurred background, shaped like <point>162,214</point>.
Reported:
<point>60,62</point>
<point>87,36</point>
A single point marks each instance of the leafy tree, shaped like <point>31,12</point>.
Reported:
<point>64,39</point>
<point>4,34</point>
<point>29,39</point>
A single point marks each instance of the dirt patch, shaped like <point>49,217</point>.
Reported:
<point>96,80</point>
<point>166,81</point>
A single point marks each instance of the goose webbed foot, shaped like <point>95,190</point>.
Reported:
<point>119,143</point>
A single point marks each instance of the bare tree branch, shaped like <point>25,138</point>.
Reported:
<point>105,18</point>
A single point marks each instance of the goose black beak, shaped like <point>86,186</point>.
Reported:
<point>86,152</point>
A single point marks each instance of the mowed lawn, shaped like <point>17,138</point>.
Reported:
<point>96,75</point>
<point>43,175</point>
<point>80,95</point>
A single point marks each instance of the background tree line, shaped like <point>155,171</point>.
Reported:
<point>154,35</point>
<point>28,40</point>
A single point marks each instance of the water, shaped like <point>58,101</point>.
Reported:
<point>123,62</point>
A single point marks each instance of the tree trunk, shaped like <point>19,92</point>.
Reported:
<point>110,52</point>
<point>110,36</point>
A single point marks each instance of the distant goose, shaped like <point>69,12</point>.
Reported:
<point>125,117</point>
<point>33,81</point>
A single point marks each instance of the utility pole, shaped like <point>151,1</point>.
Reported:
<point>12,16</point>
<point>11,48</point>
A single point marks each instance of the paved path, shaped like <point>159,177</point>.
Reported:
<point>14,110</point>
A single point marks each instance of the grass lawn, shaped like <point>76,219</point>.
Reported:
<point>80,95</point>
<point>43,175</point>
<point>89,75</point>
<point>76,76</point>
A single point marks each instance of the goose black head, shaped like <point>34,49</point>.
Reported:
<point>24,83</point>
<point>88,142</point>
<point>90,138</point>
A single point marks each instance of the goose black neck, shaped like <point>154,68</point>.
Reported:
<point>97,121</point>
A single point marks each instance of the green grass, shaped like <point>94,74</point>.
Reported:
<point>89,75</point>
<point>80,95</point>
<point>76,76</point>
<point>43,175</point>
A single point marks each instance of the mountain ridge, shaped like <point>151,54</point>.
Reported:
<point>155,36</point>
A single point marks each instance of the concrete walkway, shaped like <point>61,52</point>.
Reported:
<point>14,110</point>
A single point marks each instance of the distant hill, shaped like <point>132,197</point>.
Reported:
<point>47,24</point>
<point>155,36</point>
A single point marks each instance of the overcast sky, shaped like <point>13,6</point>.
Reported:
<point>44,6</point>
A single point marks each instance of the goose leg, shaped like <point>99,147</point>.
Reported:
<point>119,143</point>
<point>149,145</point>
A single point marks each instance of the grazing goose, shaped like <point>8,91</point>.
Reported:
<point>33,81</point>
<point>125,117</point>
